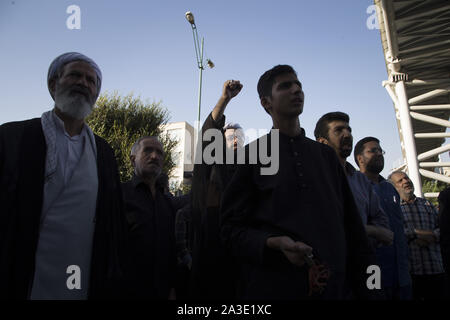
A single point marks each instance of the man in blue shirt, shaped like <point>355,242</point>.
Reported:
<point>333,129</point>
<point>395,277</point>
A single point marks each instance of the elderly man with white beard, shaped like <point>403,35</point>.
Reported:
<point>62,224</point>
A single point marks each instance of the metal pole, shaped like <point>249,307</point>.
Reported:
<point>200,87</point>
<point>408,137</point>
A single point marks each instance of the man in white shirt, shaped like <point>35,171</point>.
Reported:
<point>62,230</point>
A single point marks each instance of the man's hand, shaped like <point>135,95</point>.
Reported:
<point>295,251</point>
<point>421,243</point>
<point>383,235</point>
<point>231,89</point>
<point>425,236</point>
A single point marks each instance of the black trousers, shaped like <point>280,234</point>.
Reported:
<point>429,287</point>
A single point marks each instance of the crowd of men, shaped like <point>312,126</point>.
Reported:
<point>71,230</point>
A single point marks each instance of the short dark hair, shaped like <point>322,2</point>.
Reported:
<point>137,145</point>
<point>359,147</point>
<point>266,81</point>
<point>321,130</point>
<point>232,125</point>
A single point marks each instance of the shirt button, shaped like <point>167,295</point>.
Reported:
<point>298,164</point>
<point>303,186</point>
<point>295,153</point>
<point>291,140</point>
<point>300,174</point>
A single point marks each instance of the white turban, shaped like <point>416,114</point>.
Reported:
<point>60,61</point>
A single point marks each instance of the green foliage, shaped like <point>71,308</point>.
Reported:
<point>123,120</point>
<point>177,188</point>
<point>429,185</point>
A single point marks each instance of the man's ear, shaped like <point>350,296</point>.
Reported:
<point>267,105</point>
<point>133,160</point>
<point>52,87</point>
<point>322,140</point>
<point>360,159</point>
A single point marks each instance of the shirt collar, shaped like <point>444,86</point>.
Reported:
<point>349,169</point>
<point>59,124</point>
<point>380,180</point>
<point>408,202</point>
<point>300,136</point>
<point>136,181</point>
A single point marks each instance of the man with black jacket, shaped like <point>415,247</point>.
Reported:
<point>62,234</point>
<point>212,275</point>
<point>296,233</point>
<point>151,223</point>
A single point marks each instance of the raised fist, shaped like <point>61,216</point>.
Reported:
<point>231,89</point>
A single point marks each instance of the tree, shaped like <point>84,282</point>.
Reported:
<point>122,120</point>
<point>430,185</point>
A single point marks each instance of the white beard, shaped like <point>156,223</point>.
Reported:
<point>76,106</point>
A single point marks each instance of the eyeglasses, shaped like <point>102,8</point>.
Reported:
<point>376,150</point>
<point>231,138</point>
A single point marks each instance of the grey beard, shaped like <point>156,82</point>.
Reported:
<point>75,106</point>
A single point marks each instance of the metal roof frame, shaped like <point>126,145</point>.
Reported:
<point>415,36</point>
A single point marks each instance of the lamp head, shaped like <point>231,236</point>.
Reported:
<point>190,17</point>
<point>210,63</point>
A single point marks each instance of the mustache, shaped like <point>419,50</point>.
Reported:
<point>347,142</point>
<point>79,89</point>
<point>153,162</point>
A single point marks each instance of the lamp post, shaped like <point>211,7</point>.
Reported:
<point>200,64</point>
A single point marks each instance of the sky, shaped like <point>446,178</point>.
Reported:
<point>146,48</point>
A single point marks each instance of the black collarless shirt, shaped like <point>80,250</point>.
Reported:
<point>151,229</point>
<point>309,200</point>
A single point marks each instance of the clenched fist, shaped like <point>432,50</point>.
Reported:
<point>231,89</point>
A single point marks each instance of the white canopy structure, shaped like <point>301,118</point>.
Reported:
<point>415,36</point>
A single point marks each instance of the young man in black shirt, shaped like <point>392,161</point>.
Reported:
<point>297,233</point>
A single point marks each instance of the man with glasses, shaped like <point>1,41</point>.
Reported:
<point>393,259</point>
<point>333,129</point>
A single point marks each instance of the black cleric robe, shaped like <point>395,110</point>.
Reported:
<point>307,199</point>
<point>22,171</point>
<point>212,274</point>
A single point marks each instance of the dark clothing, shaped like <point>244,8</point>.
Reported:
<point>309,200</point>
<point>212,269</point>
<point>184,257</point>
<point>444,224</point>
<point>179,202</point>
<point>366,199</point>
<point>151,227</point>
<point>393,259</point>
<point>22,168</point>
<point>182,221</point>
<point>429,286</point>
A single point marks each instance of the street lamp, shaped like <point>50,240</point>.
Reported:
<point>200,64</point>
